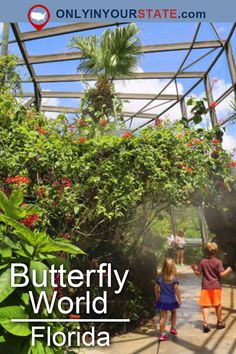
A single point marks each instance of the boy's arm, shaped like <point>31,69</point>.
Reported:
<point>226,272</point>
<point>195,269</point>
<point>177,293</point>
<point>157,292</point>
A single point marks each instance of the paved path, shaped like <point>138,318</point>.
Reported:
<point>190,340</point>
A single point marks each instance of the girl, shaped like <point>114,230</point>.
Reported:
<point>180,243</point>
<point>211,269</point>
<point>167,296</point>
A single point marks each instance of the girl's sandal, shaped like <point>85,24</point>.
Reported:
<point>206,328</point>
<point>220,325</point>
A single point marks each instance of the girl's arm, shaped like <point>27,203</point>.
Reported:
<point>177,293</point>
<point>157,292</point>
<point>226,272</point>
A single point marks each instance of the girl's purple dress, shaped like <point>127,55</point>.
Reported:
<point>167,299</point>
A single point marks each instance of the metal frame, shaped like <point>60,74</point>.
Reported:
<point>219,45</point>
<point>50,58</point>
<point>22,47</point>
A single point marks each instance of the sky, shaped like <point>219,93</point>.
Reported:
<point>150,33</point>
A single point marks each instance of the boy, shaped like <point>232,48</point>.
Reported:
<point>211,269</point>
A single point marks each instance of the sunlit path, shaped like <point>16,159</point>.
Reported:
<point>190,338</point>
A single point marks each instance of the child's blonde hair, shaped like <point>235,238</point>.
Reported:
<point>168,271</point>
<point>211,248</point>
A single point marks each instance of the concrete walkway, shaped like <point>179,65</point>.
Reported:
<point>190,338</point>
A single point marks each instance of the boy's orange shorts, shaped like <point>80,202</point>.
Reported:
<point>211,297</point>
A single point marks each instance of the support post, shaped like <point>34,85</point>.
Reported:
<point>173,220</point>
<point>5,38</point>
<point>210,101</point>
<point>183,108</point>
<point>202,224</point>
<point>231,64</point>
<point>38,98</point>
<point>22,47</point>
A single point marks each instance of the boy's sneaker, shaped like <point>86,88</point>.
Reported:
<point>173,331</point>
<point>163,337</point>
<point>220,325</point>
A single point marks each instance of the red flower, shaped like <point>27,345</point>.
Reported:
<point>74,317</point>
<point>189,169</point>
<point>179,136</point>
<point>215,155</point>
<point>6,190</point>
<point>197,141</point>
<point>55,183</point>
<point>72,127</point>
<point>82,139</point>
<point>182,165</point>
<point>30,220</point>
<point>66,182</point>
<point>158,122</point>
<point>81,122</point>
<point>127,135</point>
<point>41,192</point>
<point>42,131</point>
<point>103,121</point>
<point>190,144</point>
<point>213,105</point>
<point>18,180</point>
<point>66,236</point>
<point>231,164</point>
<point>216,141</point>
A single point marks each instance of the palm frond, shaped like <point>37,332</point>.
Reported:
<point>89,47</point>
<point>113,55</point>
<point>232,118</point>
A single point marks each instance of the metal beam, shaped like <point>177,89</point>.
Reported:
<point>76,109</point>
<point>29,102</point>
<point>210,100</point>
<point>147,75</point>
<point>200,80</point>
<point>231,63</point>
<point>38,59</point>
<point>183,108</point>
<point>5,38</point>
<point>56,31</point>
<point>140,115</point>
<point>128,96</point>
<point>60,109</point>
<point>24,53</point>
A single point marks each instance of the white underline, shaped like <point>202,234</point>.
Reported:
<point>71,320</point>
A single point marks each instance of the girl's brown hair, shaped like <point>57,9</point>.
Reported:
<point>168,271</point>
<point>180,233</point>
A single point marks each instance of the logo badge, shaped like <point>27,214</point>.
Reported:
<point>38,16</point>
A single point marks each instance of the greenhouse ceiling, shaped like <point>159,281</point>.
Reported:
<point>178,60</point>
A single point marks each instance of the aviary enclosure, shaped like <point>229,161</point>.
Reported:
<point>94,182</point>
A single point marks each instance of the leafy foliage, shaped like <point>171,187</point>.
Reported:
<point>19,244</point>
<point>88,190</point>
<point>113,55</point>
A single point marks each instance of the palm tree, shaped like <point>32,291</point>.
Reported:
<point>113,55</point>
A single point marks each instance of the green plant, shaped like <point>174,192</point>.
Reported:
<point>113,55</point>
<point>93,190</point>
<point>9,78</point>
<point>37,250</point>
